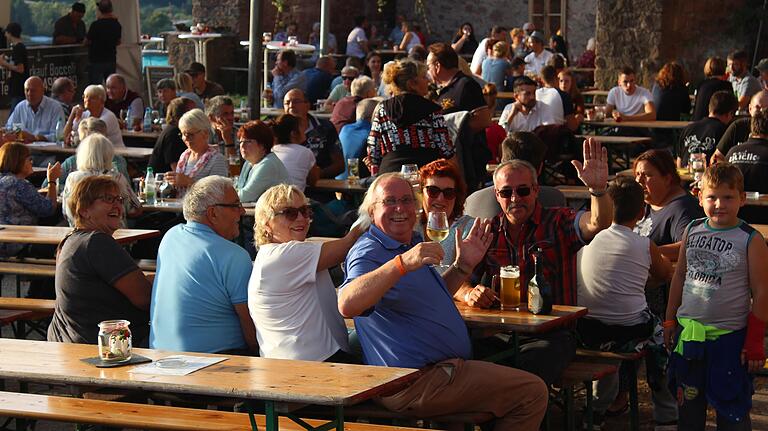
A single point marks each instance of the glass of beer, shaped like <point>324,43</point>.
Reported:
<point>510,287</point>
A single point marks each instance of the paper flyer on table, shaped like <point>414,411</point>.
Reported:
<point>177,365</point>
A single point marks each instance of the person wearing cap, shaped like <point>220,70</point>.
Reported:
<point>762,68</point>
<point>348,74</point>
<point>539,56</point>
<point>102,39</point>
<point>70,28</point>
<point>285,76</point>
<point>744,84</point>
<point>204,88</point>
<point>166,91</point>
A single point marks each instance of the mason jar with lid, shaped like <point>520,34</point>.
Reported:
<point>114,341</point>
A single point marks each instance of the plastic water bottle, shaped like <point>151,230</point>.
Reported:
<point>148,120</point>
<point>59,132</point>
<point>150,187</point>
<point>128,119</point>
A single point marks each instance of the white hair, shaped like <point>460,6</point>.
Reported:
<point>204,194</point>
<point>366,207</point>
<point>90,126</point>
<point>96,91</point>
<point>366,107</point>
<point>95,154</point>
<point>361,86</point>
<point>194,121</point>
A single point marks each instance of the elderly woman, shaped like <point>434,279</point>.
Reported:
<point>199,159</point>
<point>291,297</point>
<point>185,87</point>
<point>20,203</point>
<point>407,128</point>
<point>96,279</point>
<point>94,97</point>
<point>169,145</point>
<point>86,128</point>
<point>94,157</point>
<point>443,189</point>
<point>262,168</point>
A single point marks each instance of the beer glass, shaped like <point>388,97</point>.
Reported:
<point>510,287</point>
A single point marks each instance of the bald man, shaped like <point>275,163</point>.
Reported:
<point>37,114</point>
<point>738,132</point>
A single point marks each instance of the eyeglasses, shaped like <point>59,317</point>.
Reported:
<point>521,191</point>
<point>434,192</point>
<point>291,213</point>
<point>404,201</point>
<point>247,141</point>
<point>237,204</point>
<point>111,199</point>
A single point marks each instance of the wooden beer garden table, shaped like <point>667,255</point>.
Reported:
<point>175,205</point>
<point>276,112</point>
<point>52,148</point>
<point>53,235</point>
<point>242,377</point>
<point>639,124</point>
<point>341,186</point>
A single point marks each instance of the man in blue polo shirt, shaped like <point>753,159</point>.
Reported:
<point>200,294</point>
<point>405,317</point>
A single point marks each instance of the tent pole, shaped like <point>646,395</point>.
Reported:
<point>254,60</point>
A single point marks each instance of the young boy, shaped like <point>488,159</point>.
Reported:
<point>715,321</point>
<point>611,277</point>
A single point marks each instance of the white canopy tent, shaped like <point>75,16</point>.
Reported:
<point>129,51</point>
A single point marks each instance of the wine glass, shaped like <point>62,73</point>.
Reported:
<point>437,230</point>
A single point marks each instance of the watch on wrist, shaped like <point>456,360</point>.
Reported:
<point>597,194</point>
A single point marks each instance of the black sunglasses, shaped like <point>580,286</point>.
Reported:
<point>292,214</point>
<point>521,191</point>
<point>434,192</point>
<point>347,78</point>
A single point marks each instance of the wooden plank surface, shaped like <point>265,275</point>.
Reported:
<point>127,152</point>
<point>594,93</point>
<point>173,205</point>
<point>762,228</point>
<point>147,136</point>
<point>54,234</point>
<point>27,269</point>
<point>640,124</point>
<point>237,377</point>
<point>276,112</point>
<point>625,140</point>
<point>519,321</point>
<point>29,304</point>
<point>330,185</point>
<point>155,417</point>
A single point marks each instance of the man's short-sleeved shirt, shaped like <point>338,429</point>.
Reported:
<point>322,140</point>
<point>522,122</point>
<point>745,86</point>
<point>462,93</point>
<point>559,227</point>
<point>558,104</point>
<point>354,48</point>
<point>65,27</point>
<point>751,158</point>
<point>736,134</point>
<point>629,104</point>
<point>416,322</point>
<point>534,63</point>
<point>200,278</point>
<point>700,137</point>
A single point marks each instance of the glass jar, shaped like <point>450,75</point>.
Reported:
<point>114,341</point>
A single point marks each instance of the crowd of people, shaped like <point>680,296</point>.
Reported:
<point>657,267</point>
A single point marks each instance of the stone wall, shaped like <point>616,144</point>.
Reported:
<point>580,25</point>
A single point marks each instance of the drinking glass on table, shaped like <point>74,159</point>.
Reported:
<point>437,229</point>
<point>353,171</point>
<point>510,287</point>
<point>163,186</point>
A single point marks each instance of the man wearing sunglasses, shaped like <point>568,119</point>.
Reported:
<point>200,293</point>
<point>405,316</point>
<point>561,232</point>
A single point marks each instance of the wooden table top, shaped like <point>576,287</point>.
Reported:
<point>519,321</point>
<point>54,234</point>
<point>594,93</point>
<point>127,152</point>
<point>330,185</point>
<point>174,205</point>
<point>762,228</point>
<point>29,304</point>
<point>151,136</point>
<point>237,377</point>
<point>607,140</point>
<point>640,124</point>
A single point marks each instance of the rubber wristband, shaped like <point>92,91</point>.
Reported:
<point>669,324</point>
<point>399,264</point>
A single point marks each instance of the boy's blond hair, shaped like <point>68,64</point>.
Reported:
<point>723,173</point>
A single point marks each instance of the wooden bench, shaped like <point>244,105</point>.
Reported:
<point>23,312</point>
<point>633,358</point>
<point>40,269</point>
<point>154,417</point>
<point>582,372</point>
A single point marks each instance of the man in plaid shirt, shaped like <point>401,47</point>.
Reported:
<point>561,232</point>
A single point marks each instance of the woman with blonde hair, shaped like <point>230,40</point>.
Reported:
<point>407,127</point>
<point>496,67</point>
<point>185,87</point>
<point>94,157</point>
<point>291,297</point>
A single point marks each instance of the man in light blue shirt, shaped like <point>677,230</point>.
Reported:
<point>37,114</point>
<point>405,317</point>
<point>200,293</point>
<point>285,76</point>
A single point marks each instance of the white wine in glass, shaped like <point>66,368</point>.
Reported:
<point>437,229</point>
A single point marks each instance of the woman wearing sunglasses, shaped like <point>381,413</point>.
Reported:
<point>291,297</point>
<point>96,279</point>
<point>443,189</point>
<point>262,168</point>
